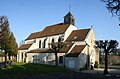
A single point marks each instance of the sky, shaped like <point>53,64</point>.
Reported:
<point>27,16</point>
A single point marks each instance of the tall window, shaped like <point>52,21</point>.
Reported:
<point>44,43</point>
<point>59,39</point>
<point>40,44</point>
<point>52,40</point>
<point>22,57</point>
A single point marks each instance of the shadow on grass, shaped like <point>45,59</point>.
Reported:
<point>21,69</point>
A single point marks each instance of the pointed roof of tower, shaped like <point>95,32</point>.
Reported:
<point>68,14</point>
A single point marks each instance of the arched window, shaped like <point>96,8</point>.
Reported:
<point>52,40</point>
<point>59,39</point>
<point>40,44</point>
<point>44,43</point>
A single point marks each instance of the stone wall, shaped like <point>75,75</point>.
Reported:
<point>114,60</point>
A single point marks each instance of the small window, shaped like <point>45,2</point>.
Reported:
<point>61,59</point>
<point>33,56</point>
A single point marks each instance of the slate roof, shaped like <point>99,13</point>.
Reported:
<point>34,35</point>
<point>78,35</point>
<point>76,51</point>
<point>68,14</point>
<point>25,46</point>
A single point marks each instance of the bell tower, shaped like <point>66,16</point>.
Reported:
<point>69,19</point>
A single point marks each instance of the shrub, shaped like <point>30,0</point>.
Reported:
<point>83,68</point>
<point>96,64</point>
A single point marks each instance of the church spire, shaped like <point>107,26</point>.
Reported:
<point>69,8</point>
<point>69,19</point>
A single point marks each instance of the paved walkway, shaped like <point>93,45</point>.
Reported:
<point>101,70</point>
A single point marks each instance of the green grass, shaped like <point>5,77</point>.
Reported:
<point>111,66</point>
<point>20,69</point>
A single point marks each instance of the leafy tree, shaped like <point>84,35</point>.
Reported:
<point>107,47</point>
<point>13,46</point>
<point>5,35</point>
<point>55,48</point>
<point>7,39</point>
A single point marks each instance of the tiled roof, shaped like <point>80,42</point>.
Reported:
<point>49,31</point>
<point>34,35</point>
<point>78,35</point>
<point>25,46</point>
<point>66,48</point>
<point>63,50</point>
<point>76,51</point>
<point>39,51</point>
<point>54,29</point>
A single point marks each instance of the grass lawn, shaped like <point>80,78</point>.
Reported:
<point>19,69</point>
<point>111,66</point>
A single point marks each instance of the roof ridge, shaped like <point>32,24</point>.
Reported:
<point>82,29</point>
<point>36,32</point>
<point>54,24</point>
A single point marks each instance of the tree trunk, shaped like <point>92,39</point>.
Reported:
<point>9,56</point>
<point>56,60</point>
<point>106,64</point>
<point>5,59</point>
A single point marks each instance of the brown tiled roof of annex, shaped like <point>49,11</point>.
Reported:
<point>25,46</point>
<point>66,48</point>
<point>78,35</point>
<point>76,51</point>
<point>54,29</point>
<point>34,35</point>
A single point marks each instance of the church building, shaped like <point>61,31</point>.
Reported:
<point>80,51</point>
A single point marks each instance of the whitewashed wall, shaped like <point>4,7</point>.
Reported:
<point>90,40</point>
<point>82,58</point>
<point>42,58</point>
<point>19,55</point>
<point>69,30</point>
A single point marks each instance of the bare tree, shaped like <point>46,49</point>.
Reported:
<point>113,6</point>
<point>107,47</point>
<point>55,48</point>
